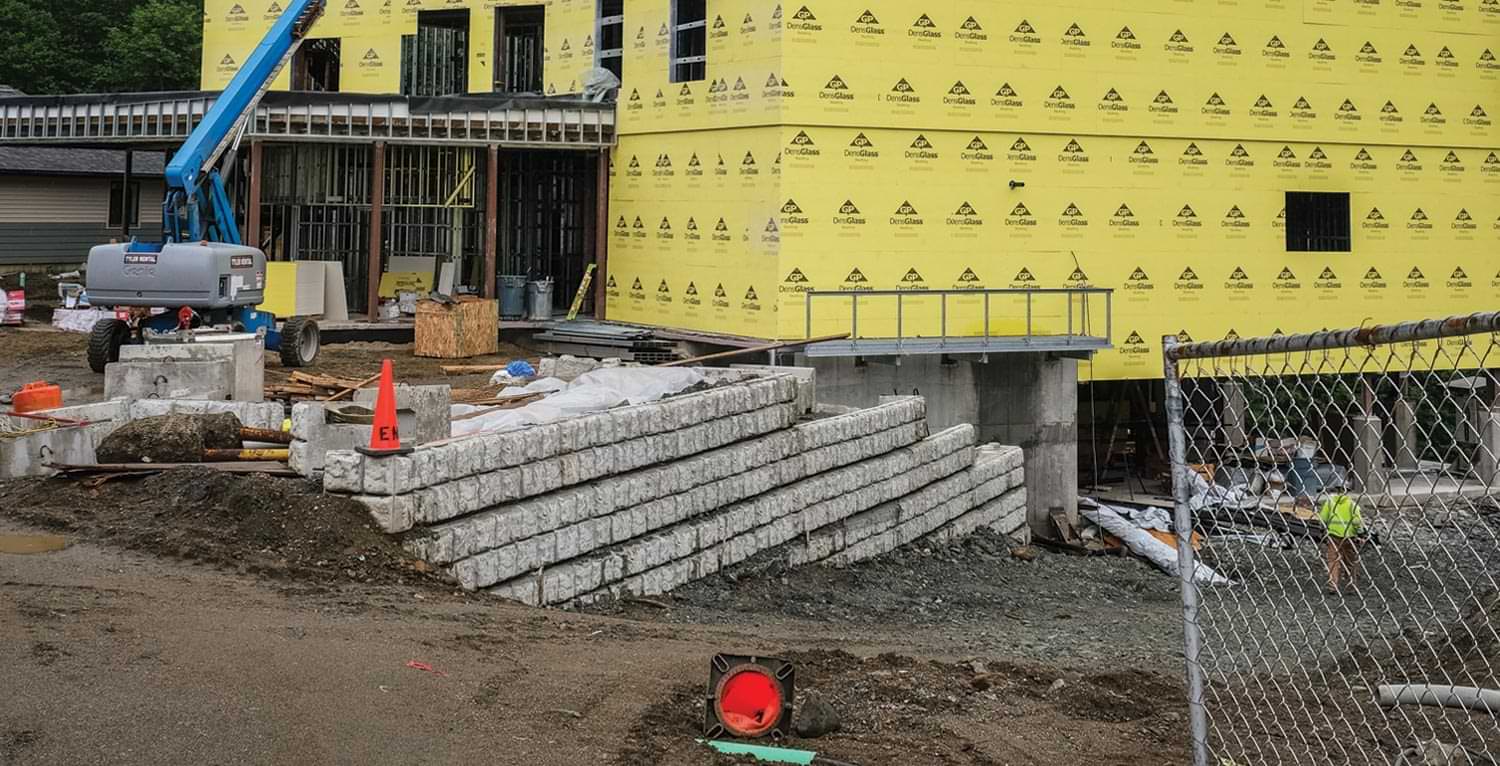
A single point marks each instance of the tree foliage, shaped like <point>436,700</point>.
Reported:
<point>100,46</point>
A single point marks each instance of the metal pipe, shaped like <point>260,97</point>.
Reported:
<point>1028,317</point>
<point>1404,332</point>
<point>986,314</point>
<point>1439,695</point>
<point>1182,524</point>
<point>808,304</point>
<point>943,327</point>
<point>900,333</point>
<point>854,308</point>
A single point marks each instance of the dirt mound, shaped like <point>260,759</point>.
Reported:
<point>170,438</point>
<point>255,523</point>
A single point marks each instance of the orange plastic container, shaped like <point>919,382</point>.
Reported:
<point>38,396</point>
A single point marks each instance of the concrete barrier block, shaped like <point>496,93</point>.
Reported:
<point>393,475</point>
<point>392,514</point>
<point>343,471</point>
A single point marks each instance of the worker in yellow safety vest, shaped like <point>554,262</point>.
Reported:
<point>1344,523</point>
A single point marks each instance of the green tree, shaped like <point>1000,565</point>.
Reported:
<point>92,46</point>
<point>159,47</point>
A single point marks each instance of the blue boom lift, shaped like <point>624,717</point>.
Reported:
<point>201,271</point>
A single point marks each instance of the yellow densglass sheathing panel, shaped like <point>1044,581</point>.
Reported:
<point>371,32</point>
<point>689,244</point>
<point>1190,233</point>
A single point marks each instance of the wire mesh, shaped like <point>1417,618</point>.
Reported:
<point>1345,483</point>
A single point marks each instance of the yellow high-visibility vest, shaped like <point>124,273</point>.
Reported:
<point>1341,516</point>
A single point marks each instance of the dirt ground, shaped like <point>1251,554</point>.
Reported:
<point>247,619</point>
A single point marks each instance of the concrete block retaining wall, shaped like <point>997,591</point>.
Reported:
<point>477,472</point>
<point>642,499</point>
<point>616,511</point>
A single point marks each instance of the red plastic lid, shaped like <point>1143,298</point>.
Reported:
<point>748,701</point>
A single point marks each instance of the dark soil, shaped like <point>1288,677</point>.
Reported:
<point>896,709</point>
<point>250,522</point>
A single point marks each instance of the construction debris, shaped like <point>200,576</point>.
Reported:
<point>1163,555</point>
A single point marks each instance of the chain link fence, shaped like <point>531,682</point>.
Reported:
<point>1343,484</point>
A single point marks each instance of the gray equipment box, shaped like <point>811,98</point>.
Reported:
<point>209,275</point>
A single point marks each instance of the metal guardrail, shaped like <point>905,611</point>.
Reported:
<point>1076,335</point>
<point>110,120</point>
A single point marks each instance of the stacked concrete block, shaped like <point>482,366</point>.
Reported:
<point>246,352</point>
<point>203,372</point>
<point>807,381</point>
<point>490,547</point>
<point>658,562</point>
<point>464,476</point>
<point>423,414</point>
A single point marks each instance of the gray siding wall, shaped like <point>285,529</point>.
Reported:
<point>55,220</point>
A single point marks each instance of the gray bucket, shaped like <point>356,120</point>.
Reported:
<point>513,295</point>
<point>539,299</point>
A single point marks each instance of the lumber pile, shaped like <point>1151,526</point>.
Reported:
<point>307,385</point>
<point>467,327</point>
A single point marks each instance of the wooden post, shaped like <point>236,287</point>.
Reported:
<point>601,233</point>
<point>377,201</point>
<point>252,201</point>
<point>491,220</point>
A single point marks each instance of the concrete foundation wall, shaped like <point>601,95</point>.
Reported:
<point>1028,400</point>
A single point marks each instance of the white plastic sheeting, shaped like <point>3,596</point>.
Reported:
<point>591,392</point>
<point>1141,543</point>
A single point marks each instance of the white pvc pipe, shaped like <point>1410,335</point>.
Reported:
<point>1439,695</point>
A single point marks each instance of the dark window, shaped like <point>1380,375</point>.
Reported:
<point>117,203</point>
<point>1317,222</point>
<point>316,65</point>
<point>689,40</point>
<point>519,42</point>
<point>610,42</point>
<point>435,60</point>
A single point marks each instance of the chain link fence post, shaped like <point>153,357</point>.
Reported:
<point>1182,523</point>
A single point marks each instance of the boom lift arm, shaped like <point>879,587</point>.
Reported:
<point>200,272</point>
<point>196,207</point>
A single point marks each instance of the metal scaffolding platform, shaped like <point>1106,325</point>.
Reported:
<point>962,321</point>
<point>145,120</point>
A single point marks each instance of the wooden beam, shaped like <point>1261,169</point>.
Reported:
<point>375,265</point>
<point>252,201</point>
<point>601,233</point>
<point>491,220</point>
<point>777,346</point>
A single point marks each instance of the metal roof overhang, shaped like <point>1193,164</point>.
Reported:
<point>162,120</point>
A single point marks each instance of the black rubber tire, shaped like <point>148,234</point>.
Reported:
<point>300,341</point>
<point>105,341</point>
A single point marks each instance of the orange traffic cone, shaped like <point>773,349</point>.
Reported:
<point>385,437</point>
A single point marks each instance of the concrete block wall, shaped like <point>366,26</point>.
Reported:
<point>656,563</point>
<point>489,548</point>
<point>423,414</point>
<point>642,499</point>
<point>995,472</point>
<point>463,476</point>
